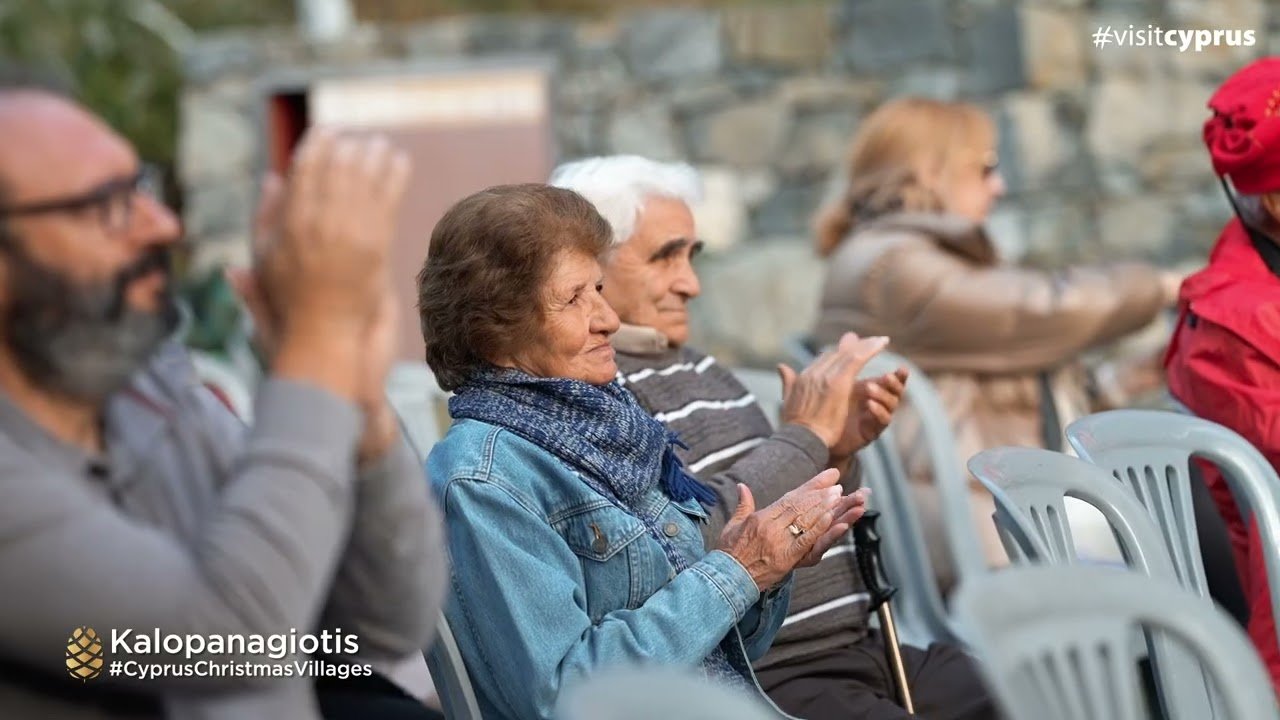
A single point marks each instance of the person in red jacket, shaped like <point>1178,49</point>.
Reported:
<point>1224,359</point>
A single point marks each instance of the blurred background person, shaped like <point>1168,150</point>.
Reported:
<point>1224,359</point>
<point>908,257</point>
<point>825,662</point>
<point>573,526</point>
<point>129,496</point>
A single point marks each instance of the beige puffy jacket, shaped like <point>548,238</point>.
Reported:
<point>984,332</point>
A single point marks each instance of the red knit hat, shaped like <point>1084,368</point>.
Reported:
<point>1243,136</point>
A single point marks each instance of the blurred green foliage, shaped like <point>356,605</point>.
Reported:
<point>122,57</point>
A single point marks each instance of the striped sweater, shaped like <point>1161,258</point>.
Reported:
<point>730,441</point>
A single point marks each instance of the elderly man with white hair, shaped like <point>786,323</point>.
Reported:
<point>825,662</point>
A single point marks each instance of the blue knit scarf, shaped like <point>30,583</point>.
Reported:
<point>601,431</point>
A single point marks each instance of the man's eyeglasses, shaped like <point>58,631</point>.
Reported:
<point>112,201</point>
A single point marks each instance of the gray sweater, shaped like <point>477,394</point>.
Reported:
<point>731,441</point>
<point>191,524</point>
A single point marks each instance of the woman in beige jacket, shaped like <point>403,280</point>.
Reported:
<point>908,257</point>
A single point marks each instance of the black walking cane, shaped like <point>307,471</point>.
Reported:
<point>867,551</point>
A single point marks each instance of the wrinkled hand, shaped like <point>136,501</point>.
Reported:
<point>854,505</point>
<point>818,398</point>
<point>874,401</point>
<point>762,542</point>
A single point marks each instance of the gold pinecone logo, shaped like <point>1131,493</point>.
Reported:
<point>84,654</point>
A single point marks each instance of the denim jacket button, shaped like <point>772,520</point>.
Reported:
<point>671,529</point>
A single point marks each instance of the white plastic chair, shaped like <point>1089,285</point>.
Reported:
<point>918,606</point>
<point>1149,452</point>
<point>905,548</point>
<point>420,403</point>
<point>1030,487</point>
<point>766,386</point>
<point>949,479</point>
<point>656,692</point>
<point>449,673</point>
<point>918,609</point>
<point>1053,642</point>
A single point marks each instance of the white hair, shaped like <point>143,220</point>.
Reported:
<point>619,185</point>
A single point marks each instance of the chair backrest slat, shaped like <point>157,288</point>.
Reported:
<point>1052,641</point>
<point>1129,442</point>
<point>1030,486</point>
<point>920,615</point>
<point>899,504</point>
<point>949,478</point>
<point>449,673</point>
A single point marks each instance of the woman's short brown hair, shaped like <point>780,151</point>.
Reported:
<point>480,288</point>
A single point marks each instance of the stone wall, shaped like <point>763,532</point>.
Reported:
<point>1099,146</point>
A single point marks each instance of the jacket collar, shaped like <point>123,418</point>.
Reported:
<point>956,233</point>
<point>1233,261</point>
<point>1237,291</point>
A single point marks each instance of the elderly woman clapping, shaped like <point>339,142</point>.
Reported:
<point>572,525</point>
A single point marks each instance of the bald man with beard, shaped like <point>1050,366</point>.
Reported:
<point>131,499</point>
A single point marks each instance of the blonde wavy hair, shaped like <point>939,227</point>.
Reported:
<point>896,159</point>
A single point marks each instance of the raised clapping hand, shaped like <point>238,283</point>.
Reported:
<point>873,404</point>
<point>320,290</point>
<point>821,397</point>
<point>793,532</point>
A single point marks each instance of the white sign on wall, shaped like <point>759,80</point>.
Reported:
<point>470,98</point>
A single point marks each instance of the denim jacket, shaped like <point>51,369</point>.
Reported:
<point>553,582</point>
